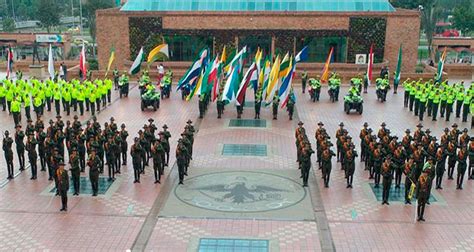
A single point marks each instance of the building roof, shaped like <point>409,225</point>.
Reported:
<point>259,5</point>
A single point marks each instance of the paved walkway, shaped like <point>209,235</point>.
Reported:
<point>142,216</point>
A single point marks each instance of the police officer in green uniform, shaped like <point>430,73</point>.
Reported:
<point>16,110</point>
<point>465,107</point>
<point>304,79</point>
<point>7,151</point>
<point>459,101</point>
<point>449,104</point>
<point>435,104</point>
<point>75,170</point>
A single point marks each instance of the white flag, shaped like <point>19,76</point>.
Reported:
<point>51,63</point>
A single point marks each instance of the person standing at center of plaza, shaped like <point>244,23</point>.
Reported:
<point>304,79</point>
<point>63,185</point>
<point>451,97</point>
<point>7,150</point>
<point>94,165</point>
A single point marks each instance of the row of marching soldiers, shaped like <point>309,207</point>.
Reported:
<point>146,145</point>
<point>420,157</point>
<point>304,152</point>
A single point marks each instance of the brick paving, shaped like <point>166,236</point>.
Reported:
<point>30,220</point>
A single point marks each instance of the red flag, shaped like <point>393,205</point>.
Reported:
<point>370,64</point>
<point>82,62</point>
<point>325,75</point>
<point>9,61</point>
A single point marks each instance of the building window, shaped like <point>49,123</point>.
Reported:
<point>319,48</point>
<point>186,47</point>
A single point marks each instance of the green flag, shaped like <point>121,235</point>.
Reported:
<point>396,78</point>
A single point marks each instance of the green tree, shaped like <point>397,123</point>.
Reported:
<point>90,8</point>
<point>463,18</point>
<point>47,12</point>
<point>8,24</point>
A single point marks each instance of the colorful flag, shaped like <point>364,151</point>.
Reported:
<point>264,74</point>
<point>197,88</point>
<point>213,79</point>
<point>284,92</point>
<point>285,66</point>
<point>325,74</point>
<point>396,79</point>
<point>237,58</point>
<point>273,80</point>
<point>153,55</point>
<point>244,84</point>
<point>135,68</point>
<point>370,64</point>
<point>223,56</point>
<point>9,61</point>
<point>439,75</point>
<point>302,55</point>
<point>111,60</point>
<point>195,70</point>
<point>232,84</point>
<point>50,63</point>
<point>82,62</point>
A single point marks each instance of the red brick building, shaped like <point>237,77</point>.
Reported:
<point>350,27</point>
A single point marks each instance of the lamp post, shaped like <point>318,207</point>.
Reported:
<point>72,13</point>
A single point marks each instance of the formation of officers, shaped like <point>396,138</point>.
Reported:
<point>57,94</point>
<point>432,97</point>
<point>421,157</point>
<point>95,147</point>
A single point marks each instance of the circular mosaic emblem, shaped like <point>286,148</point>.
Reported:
<point>240,191</point>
